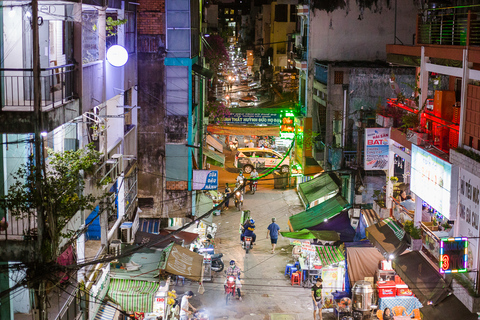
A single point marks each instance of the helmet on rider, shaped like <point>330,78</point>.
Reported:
<point>241,173</point>
<point>252,221</point>
<point>232,262</point>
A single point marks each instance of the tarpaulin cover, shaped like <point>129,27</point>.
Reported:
<point>339,224</point>
<point>309,234</point>
<point>385,239</point>
<point>182,262</point>
<point>362,262</point>
<point>330,255</point>
<point>449,308</point>
<point>142,236</point>
<point>421,277</point>
<point>133,295</point>
<point>318,214</point>
<point>324,187</point>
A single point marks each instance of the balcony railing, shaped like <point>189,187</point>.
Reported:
<point>17,88</point>
<point>24,228</point>
<point>448,27</point>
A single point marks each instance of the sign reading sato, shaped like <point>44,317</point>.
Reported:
<point>453,255</point>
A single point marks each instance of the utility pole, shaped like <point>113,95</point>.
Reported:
<point>40,286</point>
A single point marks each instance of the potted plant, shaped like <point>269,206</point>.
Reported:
<point>379,204</point>
<point>414,235</point>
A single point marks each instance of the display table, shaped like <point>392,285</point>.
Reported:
<point>409,303</point>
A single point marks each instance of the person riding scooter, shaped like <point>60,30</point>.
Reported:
<point>240,178</point>
<point>248,229</point>
<point>234,271</point>
<point>253,177</point>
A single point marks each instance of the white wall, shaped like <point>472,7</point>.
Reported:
<point>342,36</point>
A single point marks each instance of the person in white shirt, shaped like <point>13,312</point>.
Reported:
<point>185,305</point>
<point>250,144</point>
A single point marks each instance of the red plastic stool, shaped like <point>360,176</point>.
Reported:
<point>296,278</point>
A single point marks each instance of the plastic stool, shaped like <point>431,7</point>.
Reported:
<point>180,278</point>
<point>287,268</point>
<point>292,271</point>
<point>296,278</point>
<point>297,265</point>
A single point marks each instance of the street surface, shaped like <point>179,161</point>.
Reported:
<point>267,292</point>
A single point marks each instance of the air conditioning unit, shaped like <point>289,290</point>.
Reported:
<point>127,232</point>
<point>354,222</point>
<point>115,247</point>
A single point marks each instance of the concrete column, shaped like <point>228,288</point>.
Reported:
<point>390,173</point>
<point>423,81</point>
<point>418,211</point>
<point>463,102</point>
<point>81,255</point>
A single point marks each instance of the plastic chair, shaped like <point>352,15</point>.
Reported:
<point>296,278</point>
<point>416,314</point>
<point>287,268</point>
<point>297,265</point>
<point>292,271</point>
<point>380,314</point>
<point>399,311</point>
<point>180,278</point>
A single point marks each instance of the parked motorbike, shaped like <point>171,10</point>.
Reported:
<point>247,243</point>
<point>230,289</point>
<point>238,200</point>
<point>217,262</point>
<point>253,186</point>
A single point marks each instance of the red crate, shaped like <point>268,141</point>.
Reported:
<point>386,289</point>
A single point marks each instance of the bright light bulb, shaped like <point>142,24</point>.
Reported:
<point>117,56</point>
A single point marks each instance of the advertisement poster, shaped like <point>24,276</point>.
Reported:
<point>469,213</point>
<point>205,180</point>
<point>430,180</point>
<point>376,148</point>
<point>332,281</point>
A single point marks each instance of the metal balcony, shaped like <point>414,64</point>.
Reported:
<point>16,93</point>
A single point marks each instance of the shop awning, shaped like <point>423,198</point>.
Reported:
<point>215,143</point>
<point>202,205</point>
<point>340,224</point>
<point>182,262</point>
<point>370,217</point>
<point>330,255</point>
<point>318,214</point>
<point>133,295</point>
<point>385,235</point>
<point>202,71</point>
<point>306,234</point>
<point>244,130</point>
<point>319,189</point>
<point>214,158</point>
<point>106,312</point>
<point>421,277</point>
<point>449,308</point>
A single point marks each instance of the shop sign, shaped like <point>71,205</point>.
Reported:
<point>376,148</point>
<point>205,180</point>
<point>307,247</point>
<point>431,180</point>
<point>269,119</point>
<point>469,212</point>
<point>287,128</point>
<point>453,255</point>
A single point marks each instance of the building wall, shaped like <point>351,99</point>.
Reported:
<point>278,34</point>
<point>347,34</point>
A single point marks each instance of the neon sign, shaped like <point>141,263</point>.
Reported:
<point>453,255</point>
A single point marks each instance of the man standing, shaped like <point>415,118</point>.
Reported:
<point>317,298</point>
<point>185,305</point>
<point>273,229</point>
<point>250,144</point>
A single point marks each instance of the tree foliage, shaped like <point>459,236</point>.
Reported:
<point>61,194</point>
<point>215,52</point>
<point>217,111</point>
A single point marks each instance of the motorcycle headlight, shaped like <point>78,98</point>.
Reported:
<point>231,278</point>
<point>238,193</point>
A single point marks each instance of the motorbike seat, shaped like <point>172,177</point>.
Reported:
<point>216,256</point>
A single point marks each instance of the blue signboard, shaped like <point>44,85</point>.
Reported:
<point>205,180</point>
<point>269,119</point>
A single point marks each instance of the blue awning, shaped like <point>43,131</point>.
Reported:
<point>105,312</point>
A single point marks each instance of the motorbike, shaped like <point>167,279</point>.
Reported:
<point>253,186</point>
<point>247,243</point>
<point>238,200</point>
<point>217,262</point>
<point>230,289</point>
<point>233,145</point>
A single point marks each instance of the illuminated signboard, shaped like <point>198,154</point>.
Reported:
<point>287,127</point>
<point>453,255</point>
<point>376,148</point>
<point>431,179</point>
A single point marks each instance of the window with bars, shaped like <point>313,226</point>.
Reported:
<point>130,31</point>
<point>338,77</point>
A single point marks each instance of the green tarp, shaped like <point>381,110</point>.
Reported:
<point>317,190</point>
<point>311,234</point>
<point>318,214</point>
<point>330,255</point>
<point>133,295</point>
<point>214,158</point>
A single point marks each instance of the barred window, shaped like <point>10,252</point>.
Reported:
<point>338,77</point>
<point>130,31</point>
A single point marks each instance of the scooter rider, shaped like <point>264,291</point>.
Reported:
<point>248,229</point>
<point>240,178</point>
<point>234,271</point>
<point>253,177</point>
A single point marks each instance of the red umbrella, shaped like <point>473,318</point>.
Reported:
<point>249,98</point>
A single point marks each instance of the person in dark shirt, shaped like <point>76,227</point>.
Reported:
<point>228,191</point>
<point>317,299</point>
<point>273,229</point>
<point>248,229</point>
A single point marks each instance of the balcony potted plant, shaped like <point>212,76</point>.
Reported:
<point>414,235</point>
<point>379,204</point>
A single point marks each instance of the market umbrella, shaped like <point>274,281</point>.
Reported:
<point>306,234</point>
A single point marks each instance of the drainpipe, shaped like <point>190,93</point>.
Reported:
<point>463,100</point>
<point>344,118</point>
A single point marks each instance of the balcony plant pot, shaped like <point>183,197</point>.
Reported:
<point>380,209</point>
<point>417,138</point>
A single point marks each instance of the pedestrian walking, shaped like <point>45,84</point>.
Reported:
<point>273,229</point>
<point>228,191</point>
<point>317,299</point>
